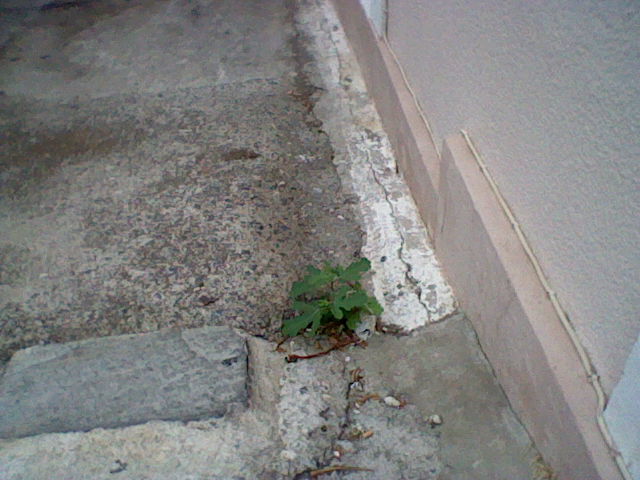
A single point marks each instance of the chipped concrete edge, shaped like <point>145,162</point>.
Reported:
<point>533,358</point>
<point>304,403</point>
<point>407,276</point>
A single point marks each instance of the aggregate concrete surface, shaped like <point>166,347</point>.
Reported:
<point>161,167</point>
<point>174,164</point>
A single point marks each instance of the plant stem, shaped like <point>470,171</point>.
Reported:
<point>351,341</point>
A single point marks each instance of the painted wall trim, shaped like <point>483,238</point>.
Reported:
<point>494,281</point>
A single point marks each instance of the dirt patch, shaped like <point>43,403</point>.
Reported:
<point>238,154</point>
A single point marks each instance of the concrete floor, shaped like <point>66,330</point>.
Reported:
<point>442,372</point>
<point>160,167</point>
<point>177,163</point>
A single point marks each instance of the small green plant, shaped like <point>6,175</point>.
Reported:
<point>331,298</point>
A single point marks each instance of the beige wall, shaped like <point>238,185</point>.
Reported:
<point>549,92</point>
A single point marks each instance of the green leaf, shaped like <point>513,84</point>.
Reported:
<point>337,270</point>
<point>301,306</point>
<point>314,280</point>
<point>354,299</point>
<point>332,296</point>
<point>293,326</point>
<point>315,324</point>
<point>323,303</point>
<point>338,297</point>
<point>342,292</point>
<point>353,319</point>
<point>373,306</point>
<point>354,271</point>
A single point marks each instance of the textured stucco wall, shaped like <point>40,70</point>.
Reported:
<point>549,91</point>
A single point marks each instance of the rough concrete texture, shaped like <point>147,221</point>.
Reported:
<point>390,440</point>
<point>161,166</point>
<point>408,278</point>
<point>442,371</point>
<point>231,449</point>
<point>302,421</point>
<point>123,380</point>
<point>294,422</point>
<point>307,402</point>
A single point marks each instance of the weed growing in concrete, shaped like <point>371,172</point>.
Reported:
<point>331,299</point>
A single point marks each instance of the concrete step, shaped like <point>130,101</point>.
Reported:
<point>123,380</point>
<point>304,416</point>
<point>371,408</point>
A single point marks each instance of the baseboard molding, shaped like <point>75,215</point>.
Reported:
<point>485,263</point>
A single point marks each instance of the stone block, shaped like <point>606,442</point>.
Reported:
<point>123,380</point>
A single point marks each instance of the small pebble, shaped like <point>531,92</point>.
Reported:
<point>434,420</point>
<point>392,402</point>
<point>356,386</point>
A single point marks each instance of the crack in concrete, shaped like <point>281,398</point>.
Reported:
<point>326,459</point>
<point>347,411</point>
<point>417,290</point>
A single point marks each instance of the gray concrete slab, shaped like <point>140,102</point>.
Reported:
<point>95,49</point>
<point>161,168</point>
<point>123,380</point>
<point>306,401</point>
<point>441,370</point>
<point>315,414</point>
